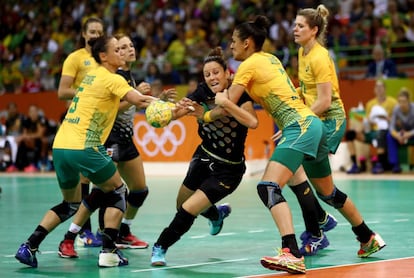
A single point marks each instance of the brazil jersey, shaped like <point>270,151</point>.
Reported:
<point>318,67</point>
<point>77,65</point>
<point>93,110</point>
<point>266,82</point>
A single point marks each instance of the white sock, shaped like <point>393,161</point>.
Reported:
<point>127,221</point>
<point>74,228</point>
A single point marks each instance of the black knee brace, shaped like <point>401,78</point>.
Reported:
<point>336,199</point>
<point>350,135</point>
<point>65,210</point>
<point>136,198</point>
<point>182,222</point>
<point>270,193</point>
<point>94,200</point>
<point>116,198</point>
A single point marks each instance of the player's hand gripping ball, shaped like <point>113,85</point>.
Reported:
<point>159,113</point>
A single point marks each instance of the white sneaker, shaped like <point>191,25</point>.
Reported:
<point>111,258</point>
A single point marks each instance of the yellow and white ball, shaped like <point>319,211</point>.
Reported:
<point>159,113</point>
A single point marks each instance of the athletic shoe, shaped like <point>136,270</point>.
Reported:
<point>130,241</point>
<point>377,169</point>
<point>158,256</point>
<point>12,169</point>
<point>88,239</point>
<point>285,261</point>
<point>67,249</point>
<point>314,244</point>
<point>328,224</point>
<point>354,169</point>
<point>396,169</point>
<point>374,244</point>
<point>99,235</point>
<point>111,258</point>
<point>30,169</point>
<point>216,225</point>
<point>27,255</point>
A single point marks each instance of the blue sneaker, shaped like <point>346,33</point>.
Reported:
<point>158,256</point>
<point>99,235</point>
<point>354,170</point>
<point>216,225</point>
<point>314,244</point>
<point>27,255</point>
<point>88,239</point>
<point>377,169</point>
<point>111,258</point>
<point>305,236</point>
<point>329,223</point>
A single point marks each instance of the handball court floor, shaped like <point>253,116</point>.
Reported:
<point>386,202</point>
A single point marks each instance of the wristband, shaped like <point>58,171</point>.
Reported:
<point>207,117</point>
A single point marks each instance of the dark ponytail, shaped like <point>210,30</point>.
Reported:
<point>257,30</point>
<point>216,55</point>
<point>99,45</point>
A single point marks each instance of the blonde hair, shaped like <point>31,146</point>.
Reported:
<point>317,17</point>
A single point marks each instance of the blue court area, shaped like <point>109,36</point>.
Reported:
<point>248,234</point>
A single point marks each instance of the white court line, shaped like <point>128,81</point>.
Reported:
<point>402,220</point>
<point>188,265</point>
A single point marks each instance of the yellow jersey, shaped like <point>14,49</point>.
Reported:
<point>77,65</point>
<point>318,67</point>
<point>266,81</point>
<point>93,110</point>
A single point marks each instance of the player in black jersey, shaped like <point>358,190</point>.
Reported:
<point>217,165</point>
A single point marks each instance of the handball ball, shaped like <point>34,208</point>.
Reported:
<point>159,113</point>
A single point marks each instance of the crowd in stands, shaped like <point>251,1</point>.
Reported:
<point>172,36</point>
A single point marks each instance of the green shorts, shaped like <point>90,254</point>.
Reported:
<point>335,130</point>
<point>94,163</point>
<point>307,137</point>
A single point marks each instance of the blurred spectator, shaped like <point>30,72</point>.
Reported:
<point>374,131</point>
<point>176,51</point>
<point>169,75</point>
<point>33,143</point>
<point>14,128</point>
<point>357,11</point>
<point>42,65</point>
<point>401,128</point>
<point>192,85</point>
<point>401,47</point>
<point>337,40</point>
<point>380,67</point>
<point>12,78</point>
<point>153,73</point>
<point>32,83</point>
<point>292,68</point>
<point>409,33</point>
<point>26,62</point>
<point>157,87</point>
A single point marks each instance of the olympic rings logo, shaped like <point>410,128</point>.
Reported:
<point>155,140</point>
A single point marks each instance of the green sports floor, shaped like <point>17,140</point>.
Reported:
<point>386,203</point>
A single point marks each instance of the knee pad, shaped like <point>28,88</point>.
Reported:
<point>94,200</point>
<point>116,198</point>
<point>350,135</point>
<point>336,199</point>
<point>182,222</point>
<point>65,210</point>
<point>136,198</point>
<point>270,193</point>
